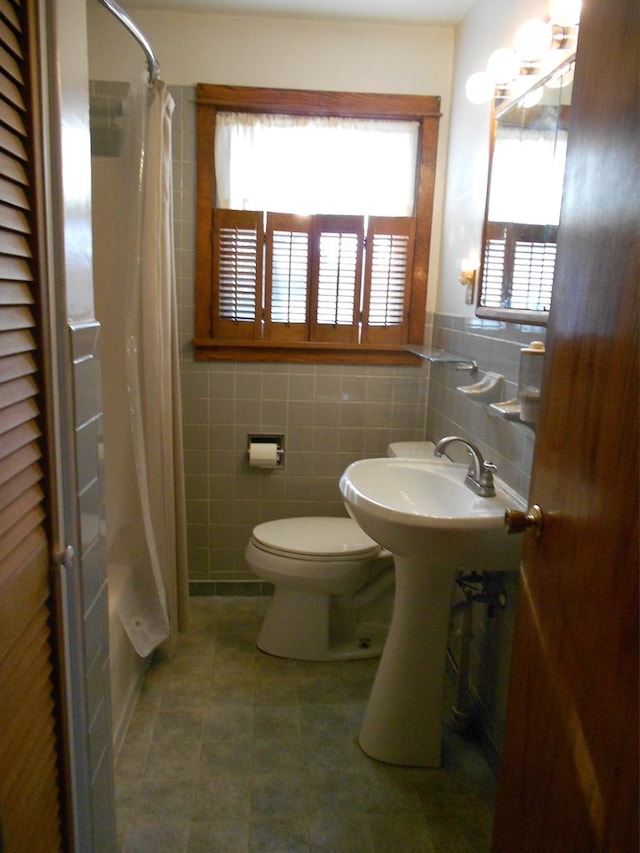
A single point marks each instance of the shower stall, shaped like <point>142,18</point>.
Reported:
<point>134,283</point>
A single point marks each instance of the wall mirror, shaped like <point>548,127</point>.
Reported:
<point>524,197</point>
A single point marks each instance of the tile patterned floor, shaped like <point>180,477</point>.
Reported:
<point>232,750</point>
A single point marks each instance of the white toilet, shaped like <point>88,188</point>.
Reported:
<point>333,585</point>
<point>333,588</point>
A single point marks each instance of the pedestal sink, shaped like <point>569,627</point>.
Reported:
<point>435,526</point>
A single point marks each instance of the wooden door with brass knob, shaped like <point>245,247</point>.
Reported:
<point>569,778</point>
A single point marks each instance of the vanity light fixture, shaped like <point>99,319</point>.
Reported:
<point>536,44</point>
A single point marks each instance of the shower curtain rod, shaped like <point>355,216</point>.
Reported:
<point>125,20</point>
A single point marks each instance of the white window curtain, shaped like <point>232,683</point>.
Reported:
<point>527,176</point>
<point>308,165</point>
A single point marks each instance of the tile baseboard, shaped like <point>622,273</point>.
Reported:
<point>201,588</point>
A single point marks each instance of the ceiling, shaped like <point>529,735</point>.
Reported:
<point>435,12</point>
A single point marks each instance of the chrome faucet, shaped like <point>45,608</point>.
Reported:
<point>480,474</point>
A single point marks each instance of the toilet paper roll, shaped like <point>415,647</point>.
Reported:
<point>263,455</point>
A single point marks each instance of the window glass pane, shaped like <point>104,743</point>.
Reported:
<point>527,175</point>
<point>315,165</point>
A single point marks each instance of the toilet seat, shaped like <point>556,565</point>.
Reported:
<point>315,538</point>
<point>332,556</point>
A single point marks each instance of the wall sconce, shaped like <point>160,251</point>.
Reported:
<point>536,40</point>
<point>468,272</point>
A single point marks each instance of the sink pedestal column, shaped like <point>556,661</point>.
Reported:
<point>403,719</point>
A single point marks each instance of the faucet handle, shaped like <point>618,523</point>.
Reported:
<point>486,479</point>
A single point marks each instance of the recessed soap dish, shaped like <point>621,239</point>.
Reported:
<point>507,409</point>
<point>487,390</point>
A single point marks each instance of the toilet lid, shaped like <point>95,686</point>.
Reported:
<point>327,537</point>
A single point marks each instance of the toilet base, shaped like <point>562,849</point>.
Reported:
<point>312,626</point>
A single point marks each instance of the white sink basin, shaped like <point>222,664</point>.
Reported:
<point>435,526</point>
<point>413,506</point>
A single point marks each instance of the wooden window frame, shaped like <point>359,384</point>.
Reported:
<point>425,110</point>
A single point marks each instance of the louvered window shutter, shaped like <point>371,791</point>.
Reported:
<point>493,269</point>
<point>313,280</point>
<point>518,266</point>
<point>337,273</point>
<point>238,238</point>
<point>388,274</point>
<point>534,261</point>
<point>287,277</point>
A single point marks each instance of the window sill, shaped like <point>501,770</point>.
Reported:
<point>318,353</point>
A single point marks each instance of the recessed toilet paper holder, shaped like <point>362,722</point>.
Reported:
<point>273,445</point>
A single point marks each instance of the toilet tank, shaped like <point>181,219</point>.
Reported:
<point>411,449</point>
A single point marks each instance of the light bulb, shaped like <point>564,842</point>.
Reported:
<point>533,38</point>
<point>480,87</point>
<point>503,65</point>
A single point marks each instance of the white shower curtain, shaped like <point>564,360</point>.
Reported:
<point>144,475</point>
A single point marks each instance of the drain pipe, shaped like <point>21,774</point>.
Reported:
<point>461,710</point>
<point>486,588</point>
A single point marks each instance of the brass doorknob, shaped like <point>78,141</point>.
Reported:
<point>517,521</point>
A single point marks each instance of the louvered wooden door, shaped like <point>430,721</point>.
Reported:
<point>29,787</point>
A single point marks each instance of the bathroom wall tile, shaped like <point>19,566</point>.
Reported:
<point>198,512</point>
<point>351,441</point>
<point>90,506</point>
<point>222,436</point>
<point>248,511</point>
<point>302,387</point>
<point>325,413</point>
<point>87,441</point>
<point>378,415</point>
<point>196,462</point>
<point>195,384</point>
<point>222,563</point>
<point>199,535</point>
<point>298,489</point>
<point>274,415</point>
<point>221,536</point>
<point>248,483</point>
<point>275,386</point>
<point>380,389</point>
<point>195,410</point>
<point>93,577</point>
<point>197,487</point>
<point>198,561</point>
<point>221,462</point>
<point>376,441</point>
<point>222,488</point>
<point>324,440</point>
<point>249,386</point>
<point>299,463</point>
<point>353,414</point>
<point>195,437</point>
<point>244,411</point>
<point>273,488</point>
